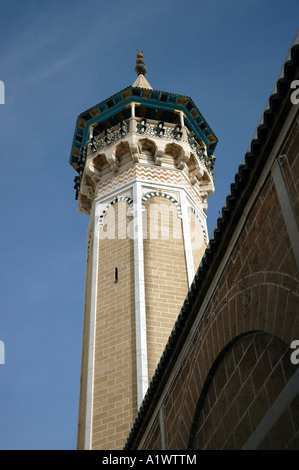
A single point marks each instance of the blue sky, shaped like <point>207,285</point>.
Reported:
<point>58,59</point>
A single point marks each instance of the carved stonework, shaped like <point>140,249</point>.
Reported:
<point>151,143</point>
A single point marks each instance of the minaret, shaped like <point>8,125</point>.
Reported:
<point>144,160</point>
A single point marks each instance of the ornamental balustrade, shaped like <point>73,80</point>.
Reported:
<point>153,128</point>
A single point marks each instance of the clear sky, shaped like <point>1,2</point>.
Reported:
<point>58,59</point>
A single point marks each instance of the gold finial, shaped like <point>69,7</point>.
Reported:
<point>140,68</point>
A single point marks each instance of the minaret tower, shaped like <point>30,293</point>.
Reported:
<point>144,160</point>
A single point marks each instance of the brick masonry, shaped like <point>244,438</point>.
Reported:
<point>245,385</point>
<point>114,405</point>
<point>238,361</point>
<point>165,274</point>
<point>290,167</point>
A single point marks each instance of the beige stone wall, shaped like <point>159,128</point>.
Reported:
<point>197,238</point>
<point>166,286</point>
<point>115,394</point>
<point>165,274</point>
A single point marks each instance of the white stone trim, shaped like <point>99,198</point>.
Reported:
<point>140,311</point>
<point>187,238</point>
<point>92,332</point>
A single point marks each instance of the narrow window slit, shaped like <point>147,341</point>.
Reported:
<point>116,276</point>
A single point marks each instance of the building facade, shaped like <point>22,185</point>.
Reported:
<point>144,160</point>
<point>228,377</point>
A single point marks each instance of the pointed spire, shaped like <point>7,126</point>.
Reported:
<point>140,69</point>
